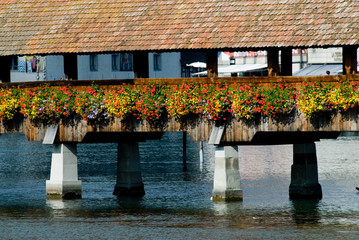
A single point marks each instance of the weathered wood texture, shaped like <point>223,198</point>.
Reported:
<point>294,129</point>
<point>291,129</point>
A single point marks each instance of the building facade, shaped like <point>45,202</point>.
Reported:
<point>93,67</point>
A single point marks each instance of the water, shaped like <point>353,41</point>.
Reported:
<point>177,203</point>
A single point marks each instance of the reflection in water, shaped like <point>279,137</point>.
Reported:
<point>129,202</point>
<point>63,208</point>
<point>305,211</point>
<point>227,208</point>
<point>177,203</point>
<point>57,204</point>
<point>236,216</point>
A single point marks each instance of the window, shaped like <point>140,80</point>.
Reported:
<point>126,62</point>
<point>122,62</point>
<point>94,62</point>
<point>115,62</point>
<point>157,64</point>
<point>14,63</point>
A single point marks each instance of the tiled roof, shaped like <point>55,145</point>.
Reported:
<point>80,26</point>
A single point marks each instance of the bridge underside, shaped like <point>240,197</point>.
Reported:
<point>260,138</point>
<point>121,137</point>
<point>278,138</point>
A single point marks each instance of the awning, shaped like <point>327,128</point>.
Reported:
<point>236,69</point>
<point>197,65</point>
<point>320,69</point>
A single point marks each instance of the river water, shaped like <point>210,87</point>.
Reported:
<point>177,203</point>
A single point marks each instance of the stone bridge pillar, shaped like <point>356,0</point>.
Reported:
<point>226,184</point>
<point>64,181</point>
<point>304,176</point>
<point>129,178</point>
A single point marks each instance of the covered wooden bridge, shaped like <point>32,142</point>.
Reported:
<point>71,28</point>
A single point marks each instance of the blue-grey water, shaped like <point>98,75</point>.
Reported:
<point>177,203</point>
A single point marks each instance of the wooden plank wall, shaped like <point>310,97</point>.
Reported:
<point>236,131</point>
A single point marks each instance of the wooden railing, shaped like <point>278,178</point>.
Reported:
<point>295,80</point>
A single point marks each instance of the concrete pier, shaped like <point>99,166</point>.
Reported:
<point>129,178</point>
<point>226,183</point>
<point>304,176</point>
<point>64,181</point>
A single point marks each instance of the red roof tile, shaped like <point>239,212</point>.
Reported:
<point>61,26</point>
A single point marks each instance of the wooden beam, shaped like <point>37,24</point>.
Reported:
<point>110,83</point>
<point>5,68</point>
<point>286,62</point>
<point>212,63</point>
<point>70,66</point>
<point>350,60</point>
<point>273,62</point>
<point>141,65</point>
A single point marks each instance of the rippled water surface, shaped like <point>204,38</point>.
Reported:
<point>177,203</point>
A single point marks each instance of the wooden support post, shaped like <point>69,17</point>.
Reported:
<point>273,62</point>
<point>212,64</point>
<point>286,62</point>
<point>141,65</point>
<point>5,68</point>
<point>350,60</point>
<point>70,66</point>
<point>129,177</point>
<point>184,156</point>
<point>304,176</point>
